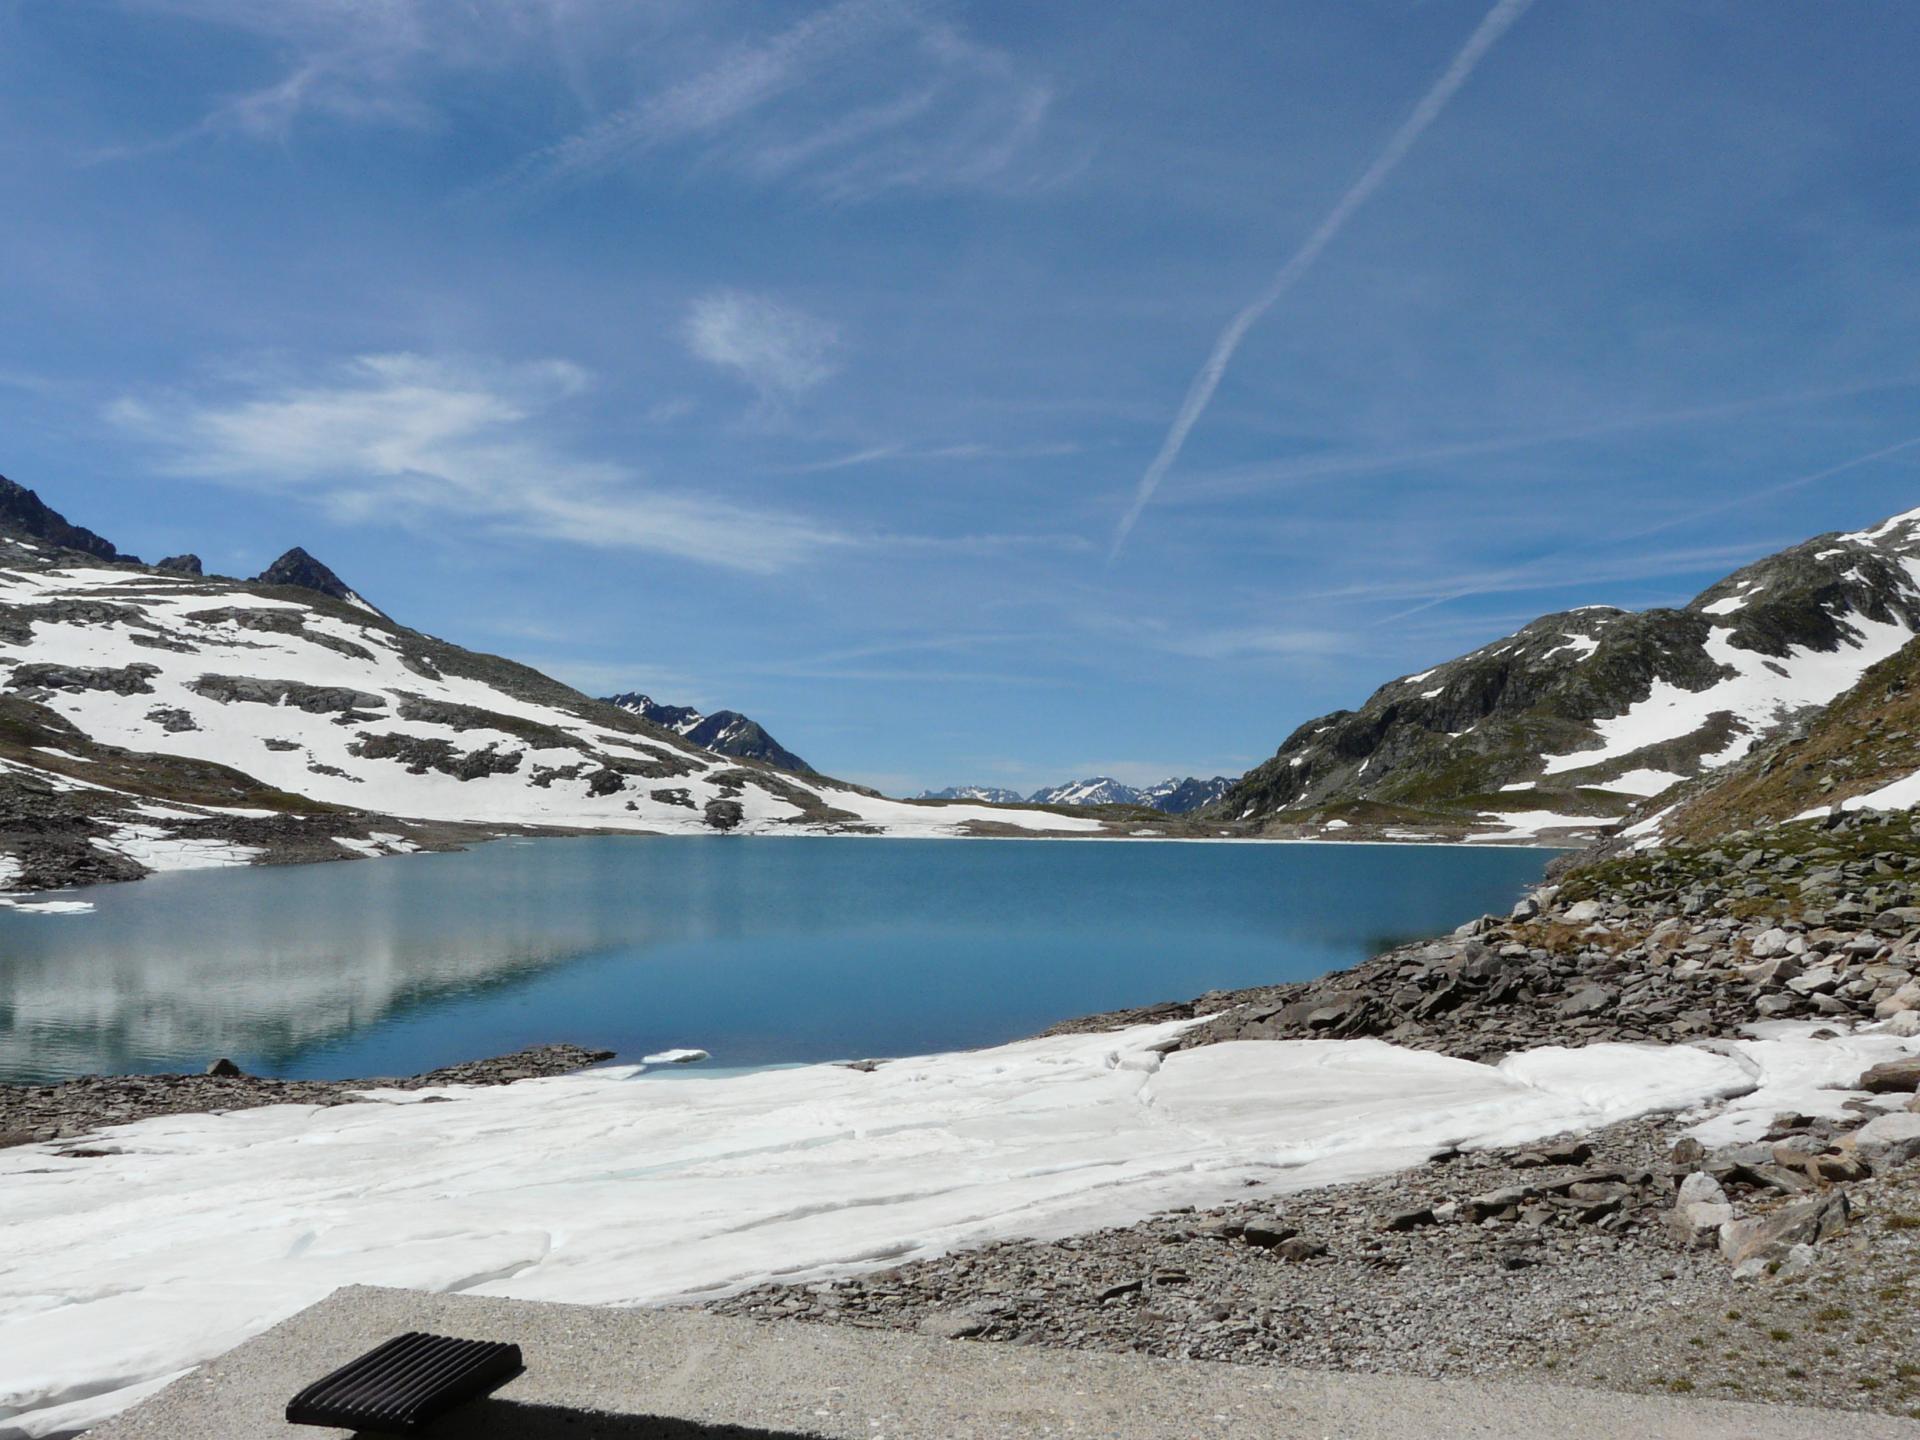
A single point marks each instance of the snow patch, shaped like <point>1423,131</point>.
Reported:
<point>1644,783</point>
<point>1760,692</point>
<point>195,1232</point>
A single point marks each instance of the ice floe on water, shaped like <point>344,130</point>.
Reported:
<point>180,1236</point>
<point>10,871</point>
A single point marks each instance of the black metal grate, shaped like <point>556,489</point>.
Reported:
<point>403,1386</point>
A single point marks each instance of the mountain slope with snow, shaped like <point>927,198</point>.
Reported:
<point>1099,790</point>
<point>1565,726</point>
<point>1862,752</point>
<point>724,732</point>
<point>153,719</point>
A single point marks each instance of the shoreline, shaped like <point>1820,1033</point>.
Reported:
<point>76,1108</point>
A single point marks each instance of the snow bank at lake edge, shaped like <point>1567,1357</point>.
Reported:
<point>193,1232</point>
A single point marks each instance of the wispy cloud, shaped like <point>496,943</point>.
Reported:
<point>910,454</point>
<point>855,98</point>
<point>1559,569</point>
<point>780,351</point>
<point>417,438</point>
<point>1495,24</point>
<point>353,61</point>
<point>1253,478</point>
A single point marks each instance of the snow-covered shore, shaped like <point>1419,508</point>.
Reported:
<point>177,1237</point>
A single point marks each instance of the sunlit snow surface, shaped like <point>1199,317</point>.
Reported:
<point>619,1187</point>
<point>1759,691</point>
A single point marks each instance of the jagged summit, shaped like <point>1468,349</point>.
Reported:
<point>1176,795</point>
<point>724,732</point>
<point>25,515</point>
<point>299,569</point>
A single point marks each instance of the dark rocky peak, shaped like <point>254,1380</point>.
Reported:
<point>724,732</point>
<point>299,569</point>
<point>1814,596</point>
<point>24,515</point>
<point>648,708</point>
<point>181,565</point>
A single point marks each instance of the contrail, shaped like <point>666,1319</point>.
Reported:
<point>1497,22</point>
<point>1739,502</point>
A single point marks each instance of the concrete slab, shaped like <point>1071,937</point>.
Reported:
<point>675,1375</point>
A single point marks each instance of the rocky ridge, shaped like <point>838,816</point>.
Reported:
<point>724,732</point>
<point>1563,727</point>
<point>1861,752</point>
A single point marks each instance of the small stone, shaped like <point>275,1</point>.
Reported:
<point>1589,1000</point>
<point>1890,1140</point>
<point>1267,1234</point>
<point>1698,1223</point>
<point>1700,1187</point>
<point>225,1069</point>
<point>1800,1222</point>
<point>1413,1219</point>
<point>1892,1078</point>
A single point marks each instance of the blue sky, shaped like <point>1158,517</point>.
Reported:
<point>809,359</point>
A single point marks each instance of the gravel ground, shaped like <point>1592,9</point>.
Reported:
<point>1428,1273</point>
<point>1434,1299</point>
<point>1840,1336</point>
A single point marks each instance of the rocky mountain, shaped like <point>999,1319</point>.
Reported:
<point>1862,752</point>
<point>297,569</point>
<point>26,517</point>
<point>1170,797</point>
<point>1566,726</point>
<point>991,794</point>
<point>1183,797</point>
<point>1175,796</point>
<point>1099,790</point>
<point>156,718</point>
<point>724,732</point>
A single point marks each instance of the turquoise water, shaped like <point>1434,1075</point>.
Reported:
<point>762,951</point>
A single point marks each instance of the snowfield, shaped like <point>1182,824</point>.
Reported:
<point>336,704</point>
<point>1760,692</point>
<point>613,1187</point>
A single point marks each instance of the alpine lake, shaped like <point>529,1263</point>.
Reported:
<point>763,951</point>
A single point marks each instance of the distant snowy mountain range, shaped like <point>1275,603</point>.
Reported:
<point>1173,796</point>
<point>724,732</point>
